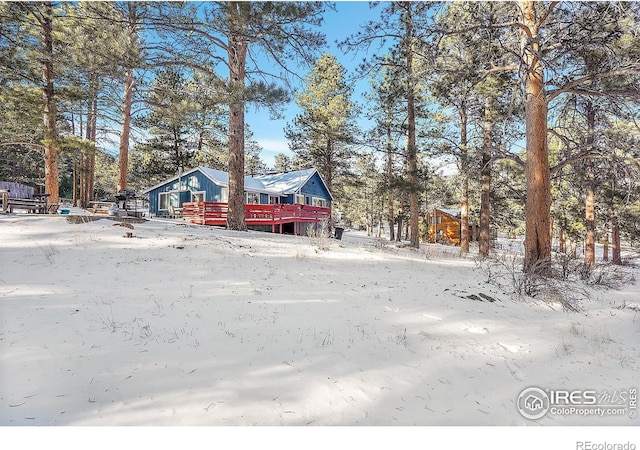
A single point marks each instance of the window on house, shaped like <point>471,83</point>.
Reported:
<point>198,196</point>
<point>166,199</point>
<point>274,200</point>
<point>319,202</point>
<point>253,198</point>
<point>224,195</point>
<point>299,199</point>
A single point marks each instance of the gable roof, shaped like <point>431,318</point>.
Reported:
<point>287,182</point>
<point>222,178</point>
<point>275,184</point>
<point>218,177</point>
<point>452,212</point>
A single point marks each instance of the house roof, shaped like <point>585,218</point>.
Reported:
<point>222,178</point>
<point>451,212</point>
<point>217,176</point>
<point>286,182</point>
<point>289,182</point>
<point>275,184</point>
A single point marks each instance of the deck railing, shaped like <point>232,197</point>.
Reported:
<point>215,213</point>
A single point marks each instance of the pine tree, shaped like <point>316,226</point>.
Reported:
<point>171,120</point>
<point>591,26</point>
<point>408,28</point>
<point>232,33</point>
<point>387,112</point>
<point>36,49</point>
<point>323,133</point>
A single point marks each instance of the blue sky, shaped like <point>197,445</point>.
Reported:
<point>339,24</point>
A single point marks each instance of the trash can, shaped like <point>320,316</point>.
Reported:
<point>338,234</point>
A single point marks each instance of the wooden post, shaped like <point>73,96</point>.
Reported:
<point>5,199</point>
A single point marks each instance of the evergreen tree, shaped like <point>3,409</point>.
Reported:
<point>386,110</point>
<point>409,28</point>
<point>170,120</point>
<point>282,163</point>
<point>233,34</point>
<point>598,27</point>
<point>323,134</point>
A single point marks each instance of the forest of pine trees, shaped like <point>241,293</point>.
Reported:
<point>524,115</point>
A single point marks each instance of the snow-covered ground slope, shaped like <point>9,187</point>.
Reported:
<point>190,325</point>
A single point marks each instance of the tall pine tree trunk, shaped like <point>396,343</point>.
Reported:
<point>85,158</point>
<point>400,221</point>
<point>616,257</point>
<point>92,154</point>
<point>51,182</point>
<point>329,165</point>
<point>389,184</point>
<point>590,226</point>
<point>88,156</point>
<point>123,156</point>
<point>412,155</point>
<point>237,53</point>
<point>485,180</point>
<point>538,205</point>
<point>464,168</point>
<point>414,218</point>
<point>605,246</point>
<point>562,240</point>
<point>75,179</point>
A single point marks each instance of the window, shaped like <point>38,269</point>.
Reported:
<point>299,199</point>
<point>319,202</point>
<point>224,195</point>
<point>253,198</point>
<point>166,199</point>
<point>198,196</point>
<point>274,200</point>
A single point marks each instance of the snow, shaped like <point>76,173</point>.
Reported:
<point>222,178</point>
<point>193,325</point>
<point>287,182</point>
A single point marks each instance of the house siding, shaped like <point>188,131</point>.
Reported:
<point>447,231</point>
<point>314,187</point>
<point>192,182</point>
<point>289,199</point>
<point>198,181</point>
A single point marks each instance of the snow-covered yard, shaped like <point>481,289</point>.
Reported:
<point>191,325</point>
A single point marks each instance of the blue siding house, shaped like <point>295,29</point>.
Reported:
<point>203,184</point>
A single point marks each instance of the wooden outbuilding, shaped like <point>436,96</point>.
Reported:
<point>444,226</point>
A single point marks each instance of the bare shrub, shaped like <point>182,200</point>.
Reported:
<point>319,236</point>
<point>538,281</point>
<point>505,271</point>
<point>564,280</point>
<point>609,276</point>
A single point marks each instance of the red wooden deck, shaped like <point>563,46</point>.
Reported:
<point>215,213</point>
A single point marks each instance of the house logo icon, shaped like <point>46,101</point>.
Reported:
<point>533,403</point>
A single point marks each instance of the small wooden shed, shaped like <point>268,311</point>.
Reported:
<point>444,226</point>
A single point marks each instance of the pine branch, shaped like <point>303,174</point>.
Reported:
<point>568,87</point>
